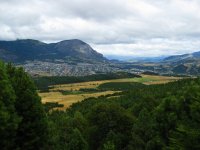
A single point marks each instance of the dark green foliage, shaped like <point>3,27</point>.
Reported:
<point>152,117</point>
<point>110,141</point>
<point>48,106</point>
<point>31,131</point>
<point>105,118</point>
<point>77,141</point>
<point>43,83</point>
<point>70,92</point>
<point>142,117</point>
<point>23,120</point>
<point>187,132</point>
<point>124,86</point>
<point>8,117</point>
<point>91,90</point>
<point>67,133</point>
<point>150,73</point>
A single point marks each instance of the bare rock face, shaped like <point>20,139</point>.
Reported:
<point>78,49</point>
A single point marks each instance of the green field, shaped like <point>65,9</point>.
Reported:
<point>68,94</point>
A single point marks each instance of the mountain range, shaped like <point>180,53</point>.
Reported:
<point>188,64</point>
<point>68,50</point>
<point>75,57</point>
<point>185,58</point>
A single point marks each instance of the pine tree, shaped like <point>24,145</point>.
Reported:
<point>32,130</point>
<point>77,142</point>
<point>8,117</point>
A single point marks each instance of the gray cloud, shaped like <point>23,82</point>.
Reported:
<point>113,27</point>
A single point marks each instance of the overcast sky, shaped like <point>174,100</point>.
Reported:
<point>112,27</point>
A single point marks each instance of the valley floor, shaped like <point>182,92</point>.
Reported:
<point>67,94</point>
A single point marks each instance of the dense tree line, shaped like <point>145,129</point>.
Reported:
<point>43,83</point>
<point>144,117</point>
<point>23,122</point>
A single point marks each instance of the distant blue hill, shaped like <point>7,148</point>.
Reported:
<point>135,59</point>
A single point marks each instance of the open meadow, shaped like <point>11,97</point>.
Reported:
<point>68,94</point>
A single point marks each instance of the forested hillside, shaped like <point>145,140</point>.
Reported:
<point>143,117</point>
<point>23,122</point>
<point>68,50</point>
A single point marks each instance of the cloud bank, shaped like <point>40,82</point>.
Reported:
<point>112,27</point>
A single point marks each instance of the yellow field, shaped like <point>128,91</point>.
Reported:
<point>67,100</point>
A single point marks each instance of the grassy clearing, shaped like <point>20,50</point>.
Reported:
<point>149,79</point>
<point>67,100</point>
<point>73,94</point>
<point>146,79</point>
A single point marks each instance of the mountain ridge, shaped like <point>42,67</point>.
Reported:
<point>184,57</point>
<point>30,49</point>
